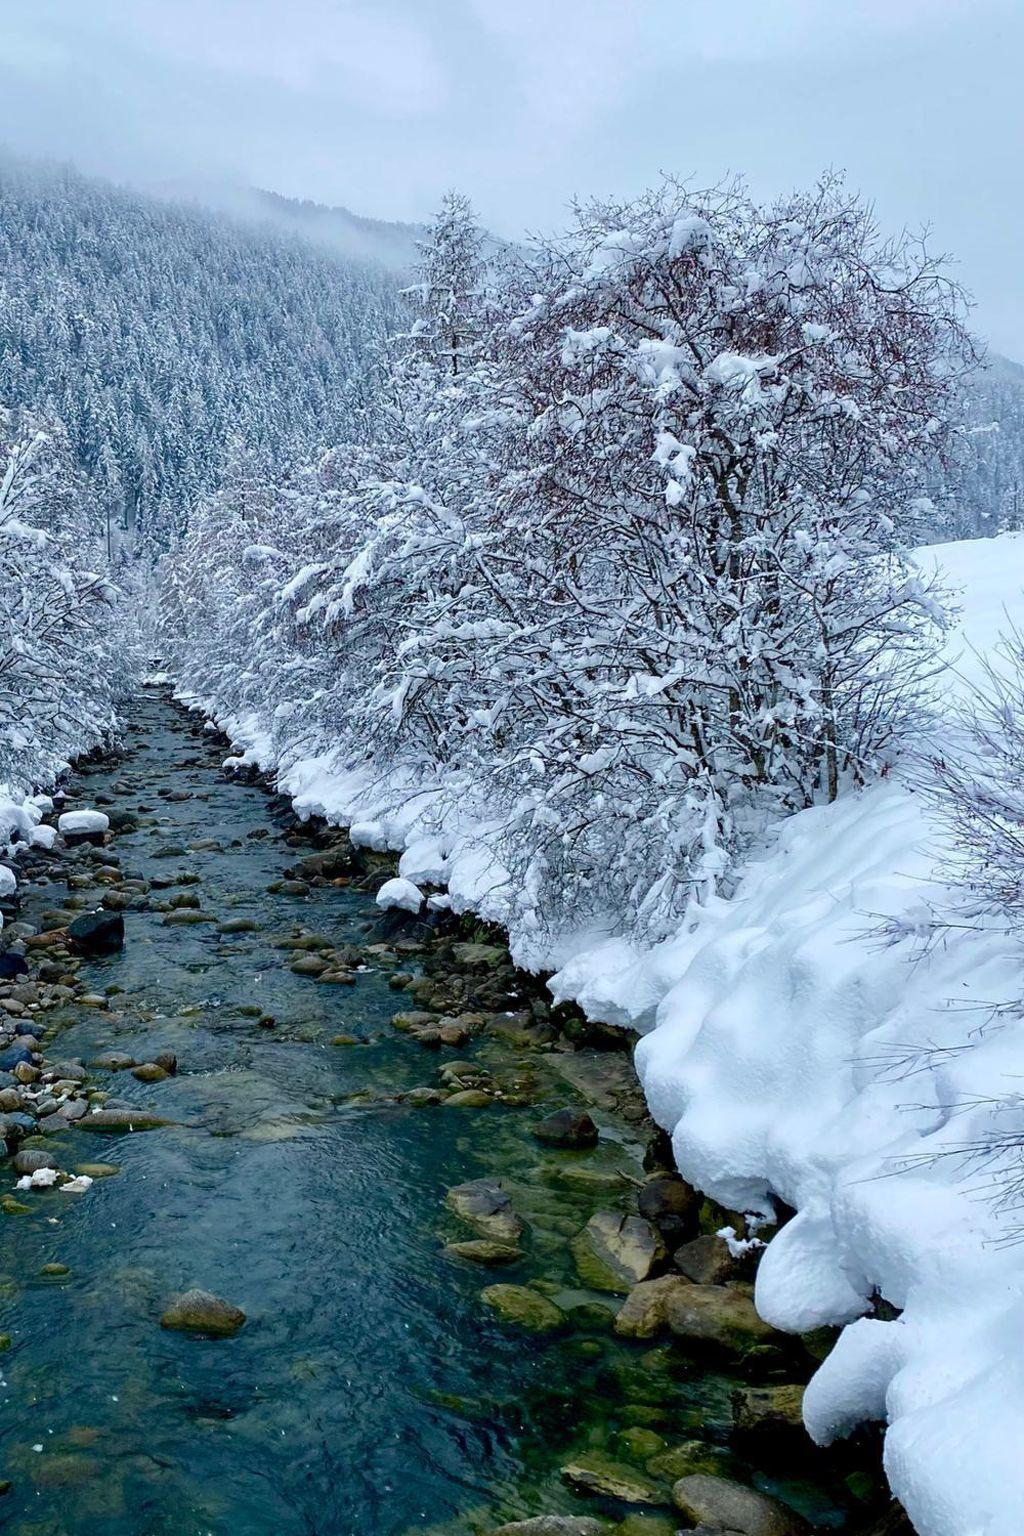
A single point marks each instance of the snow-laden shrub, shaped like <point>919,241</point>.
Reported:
<point>624,566</point>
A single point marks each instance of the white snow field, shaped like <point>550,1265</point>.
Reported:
<point>789,1051</point>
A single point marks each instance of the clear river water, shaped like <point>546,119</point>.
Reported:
<point>370,1391</point>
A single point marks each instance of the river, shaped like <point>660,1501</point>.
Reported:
<point>370,1390</point>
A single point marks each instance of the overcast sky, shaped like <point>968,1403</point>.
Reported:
<point>383,104</point>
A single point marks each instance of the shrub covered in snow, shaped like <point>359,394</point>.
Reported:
<point>623,562</point>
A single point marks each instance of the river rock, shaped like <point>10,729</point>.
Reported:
<point>13,1055</point>
<point>97,933</point>
<point>309,965</point>
<point>486,1205</point>
<point>567,1128</point>
<point>553,1525</point>
<point>731,1507</point>
<point>480,1250</point>
<point>614,1252</point>
<point>672,1205</point>
<point>652,1525</point>
<point>594,1473</point>
<point>149,1072</point>
<point>423,1097</point>
<point>114,1121</point>
<point>758,1408</point>
<point>683,1460</point>
<point>113,1061</point>
<point>339,859</point>
<point>413,1020</point>
<point>706,1260</point>
<point>30,1159</point>
<point>716,1314</point>
<point>197,1311</point>
<point>237,925</point>
<point>69,1071</point>
<point>477,956</point>
<point>523,1306</point>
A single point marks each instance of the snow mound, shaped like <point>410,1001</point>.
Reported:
<point>401,894</point>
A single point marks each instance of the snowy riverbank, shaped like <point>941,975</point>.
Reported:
<point>789,1052</point>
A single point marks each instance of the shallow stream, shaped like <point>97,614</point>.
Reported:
<point>370,1391</point>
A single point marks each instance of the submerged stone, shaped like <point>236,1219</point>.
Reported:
<point>149,1072</point>
<point>554,1525</point>
<point>486,1205</point>
<point>523,1306</point>
<point>113,1121</point>
<point>202,1312</point>
<point>686,1459</point>
<point>779,1407</point>
<point>480,1250</point>
<point>567,1128</point>
<point>595,1473</point>
<point>727,1506</point>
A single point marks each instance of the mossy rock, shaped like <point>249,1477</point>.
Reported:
<point>200,1312</point>
<point>469,1098</point>
<point>615,1251</point>
<point>685,1459</point>
<point>524,1307</point>
<point>480,1250</point>
<point>647,1525</point>
<point>638,1444</point>
<point>593,1472</point>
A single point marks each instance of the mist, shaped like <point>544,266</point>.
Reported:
<point>379,108</point>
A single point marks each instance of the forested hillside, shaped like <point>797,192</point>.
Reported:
<point>156,334</point>
<point>983,493</point>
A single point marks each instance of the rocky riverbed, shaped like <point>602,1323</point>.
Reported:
<point>399,1250</point>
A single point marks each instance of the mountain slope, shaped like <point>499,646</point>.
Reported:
<point>392,244</point>
<point>159,334</point>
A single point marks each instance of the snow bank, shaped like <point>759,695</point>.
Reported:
<point>20,827</point>
<point>790,1053</point>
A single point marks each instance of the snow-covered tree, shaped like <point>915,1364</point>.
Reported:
<point>447,294</point>
<point>627,556</point>
<point>64,655</point>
